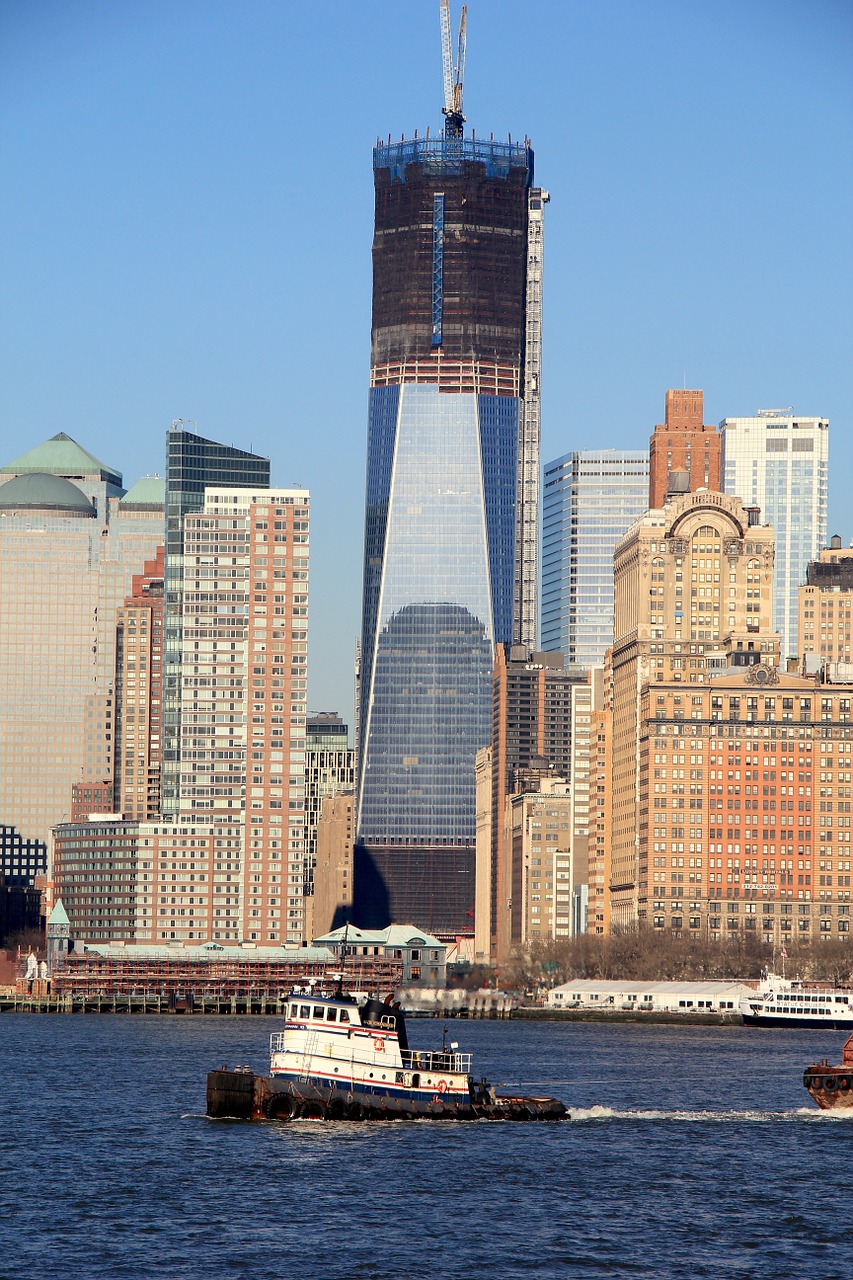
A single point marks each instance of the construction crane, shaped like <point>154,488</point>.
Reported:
<point>453,76</point>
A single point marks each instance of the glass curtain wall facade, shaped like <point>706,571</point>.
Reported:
<point>591,499</point>
<point>445,414</point>
<point>192,463</point>
<point>779,461</point>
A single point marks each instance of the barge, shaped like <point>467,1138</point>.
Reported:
<point>339,1058</point>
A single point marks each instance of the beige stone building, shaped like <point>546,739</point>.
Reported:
<point>825,607</point>
<point>600,809</point>
<point>537,704</point>
<point>548,866</point>
<point>730,779</point>
<point>692,598</point>
<point>331,902</point>
<point>139,696</point>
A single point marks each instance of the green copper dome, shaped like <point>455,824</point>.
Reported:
<point>35,492</point>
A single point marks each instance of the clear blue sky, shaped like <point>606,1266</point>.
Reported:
<point>186,219</point>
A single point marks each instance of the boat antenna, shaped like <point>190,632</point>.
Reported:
<point>339,991</point>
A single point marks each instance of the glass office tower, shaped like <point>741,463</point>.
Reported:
<point>192,463</point>
<point>449,538</point>
<point>590,500</point>
<point>779,461</point>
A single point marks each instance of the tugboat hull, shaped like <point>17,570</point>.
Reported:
<point>241,1095</point>
<point>832,1086</point>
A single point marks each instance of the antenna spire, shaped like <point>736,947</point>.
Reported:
<point>453,75</point>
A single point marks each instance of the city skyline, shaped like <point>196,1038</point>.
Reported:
<point>163,264</point>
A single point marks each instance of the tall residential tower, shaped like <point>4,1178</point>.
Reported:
<point>451,505</point>
<point>192,463</point>
<point>779,461</point>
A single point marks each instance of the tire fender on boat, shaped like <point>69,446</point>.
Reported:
<point>313,1109</point>
<point>279,1107</point>
<point>337,1106</point>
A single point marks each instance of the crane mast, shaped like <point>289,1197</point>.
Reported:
<point>453,75</point>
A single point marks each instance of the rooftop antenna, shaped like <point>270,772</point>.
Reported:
<point>453,76</point>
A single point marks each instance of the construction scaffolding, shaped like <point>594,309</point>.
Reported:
<point>218,977</point>
<point>526,604</point>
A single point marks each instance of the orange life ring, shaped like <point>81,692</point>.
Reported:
<point>379,1044</point>
<point>442,1086</point>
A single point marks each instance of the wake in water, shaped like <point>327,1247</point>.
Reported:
<point>807,1114</point>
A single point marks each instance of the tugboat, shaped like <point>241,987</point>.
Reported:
<point>832,1087</point>
<point>339,1059</point>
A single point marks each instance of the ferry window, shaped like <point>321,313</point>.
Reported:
<point>294,1010</point>
<point>344,1016</point>
<point>318,1012</point>
<point>304,1011</point>
<point>331,1015</point>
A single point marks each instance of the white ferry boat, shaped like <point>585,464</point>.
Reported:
<point>341,1059</point>
<point>783,1003</point>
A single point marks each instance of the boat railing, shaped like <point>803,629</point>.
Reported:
<point>277,1042</point>
<point>437,1060</point>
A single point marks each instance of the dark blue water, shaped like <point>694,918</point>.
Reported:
<point>694,1152</point>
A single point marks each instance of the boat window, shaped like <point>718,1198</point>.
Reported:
<point>304,1011</point>
<point>344,1015</point>
<point>294,1010</point>
<point>331,1015</point>
<point>319,1011</point>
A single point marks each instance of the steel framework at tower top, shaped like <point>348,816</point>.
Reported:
<point>453,76</point>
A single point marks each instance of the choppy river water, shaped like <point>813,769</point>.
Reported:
<point>692,1152</point>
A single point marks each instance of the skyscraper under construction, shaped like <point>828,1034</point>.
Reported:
<point>450,560</point>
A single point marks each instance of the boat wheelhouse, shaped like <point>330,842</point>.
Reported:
<point>333,1043</point>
